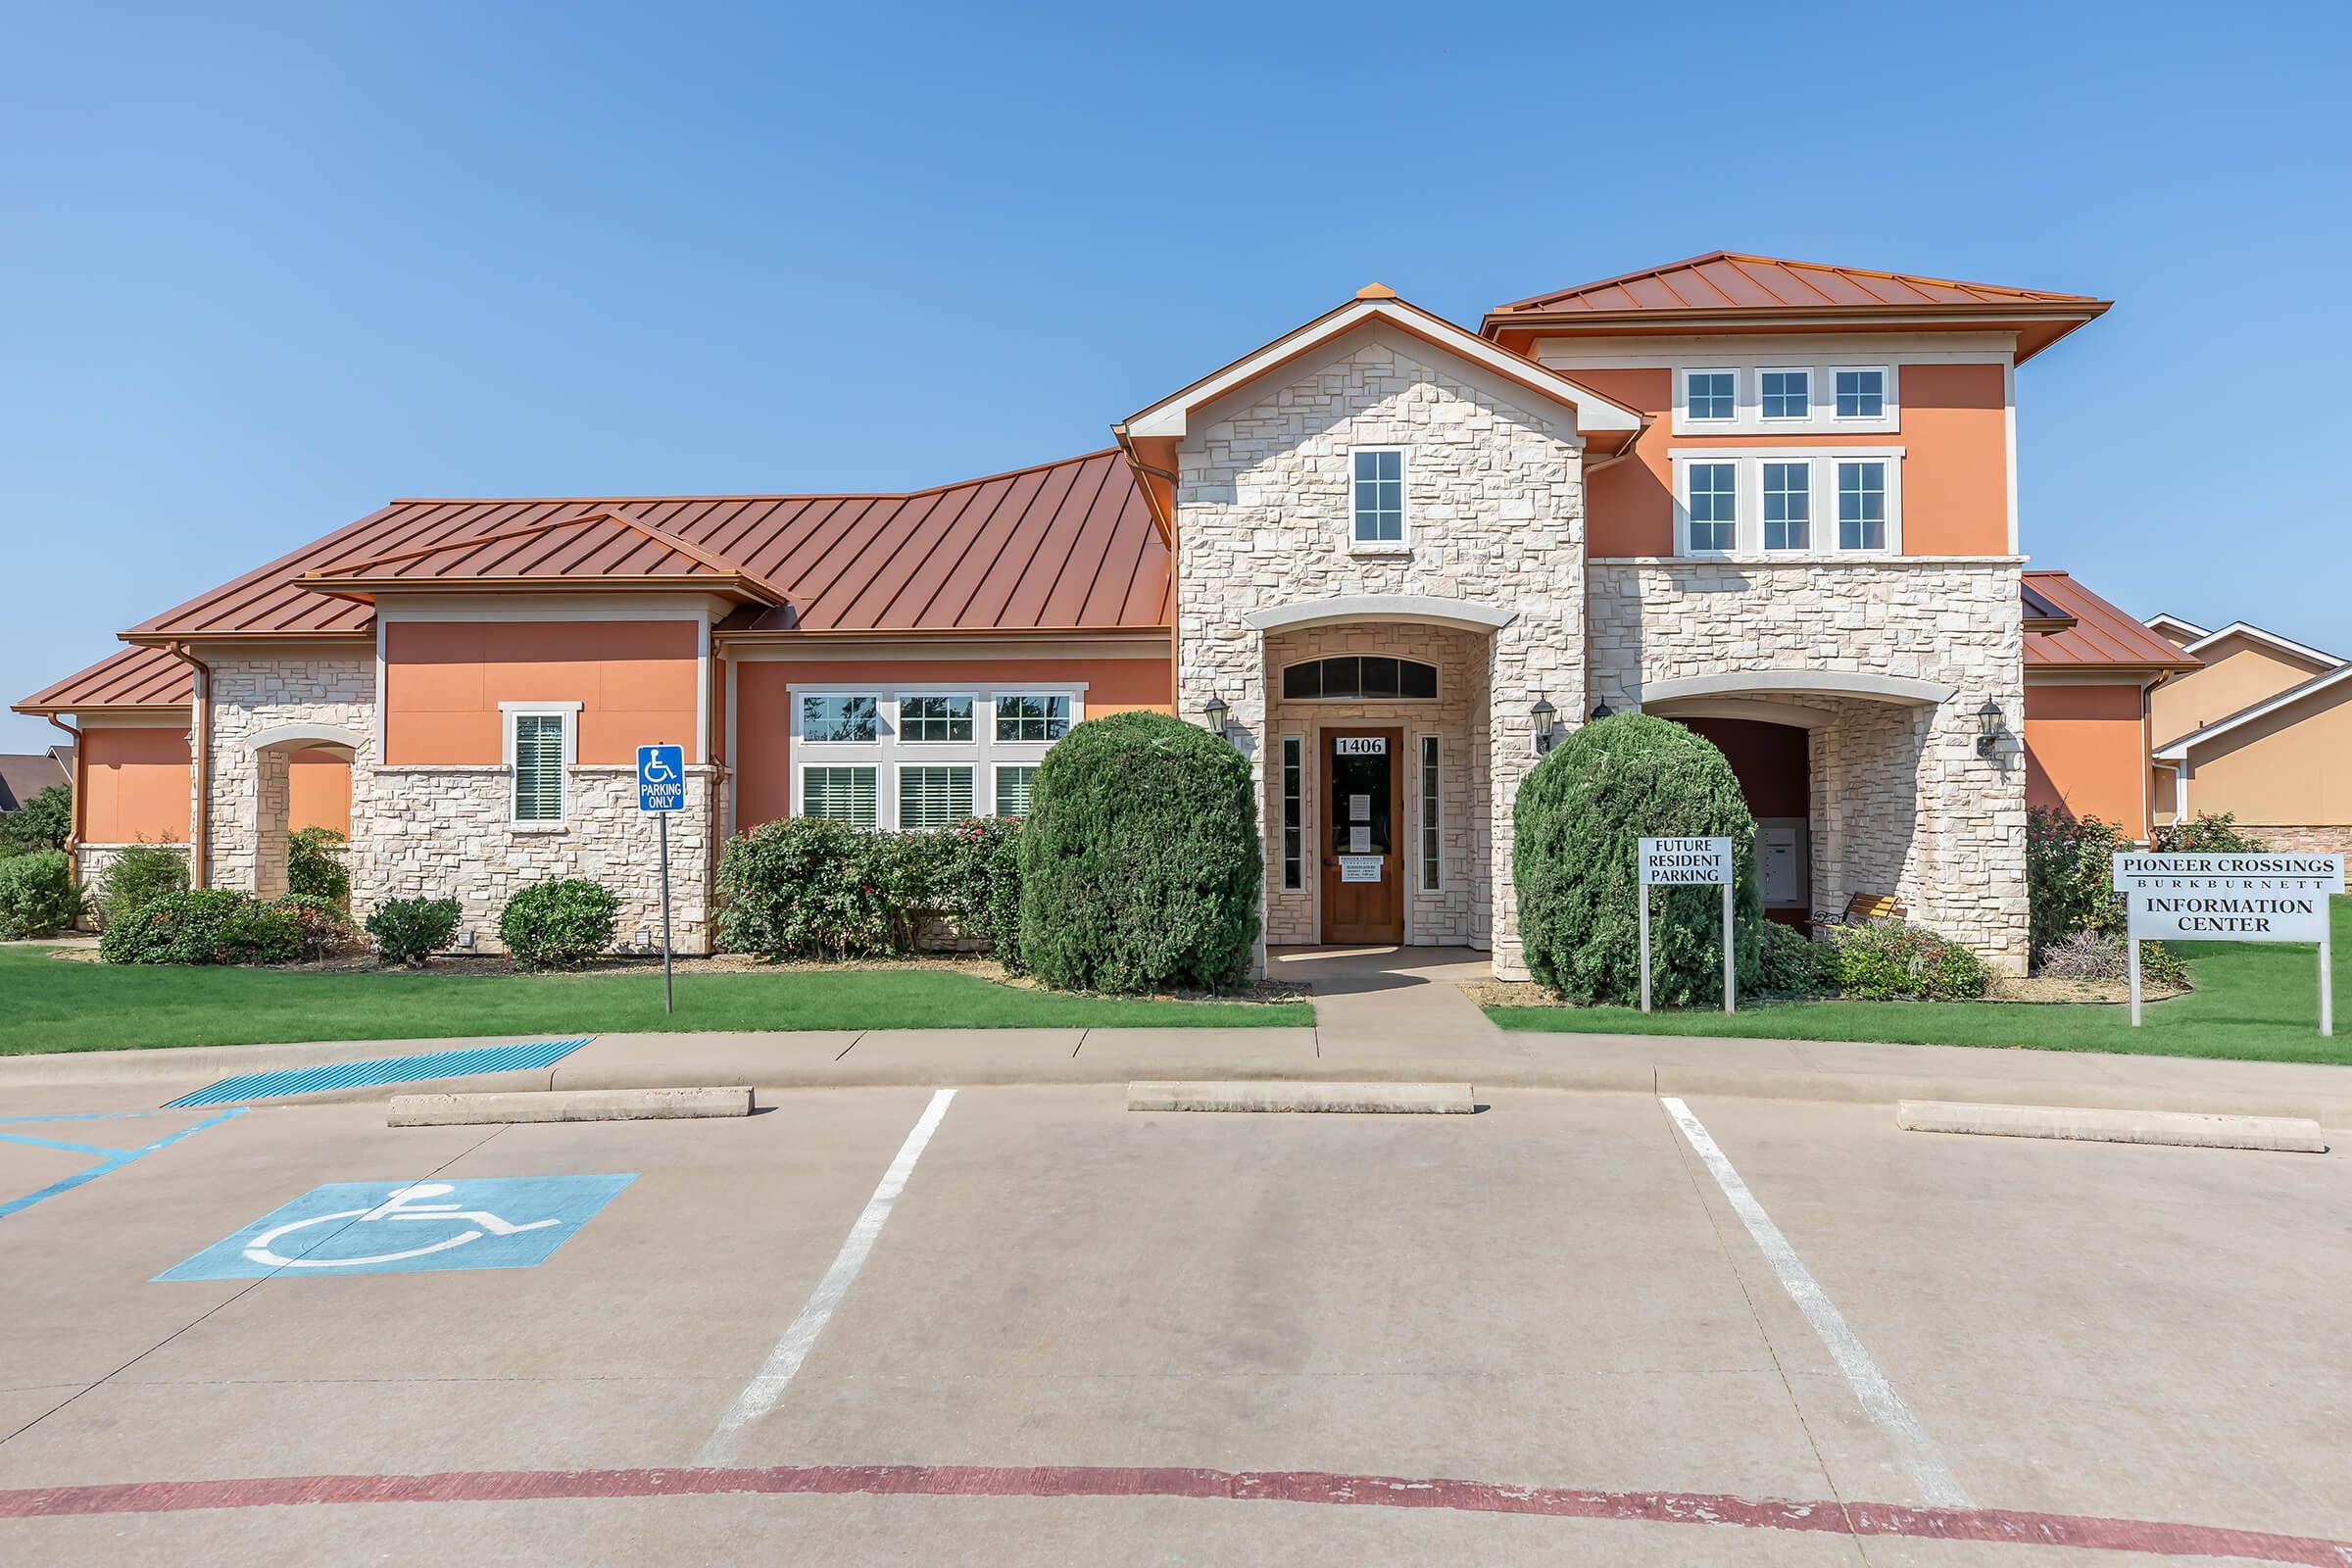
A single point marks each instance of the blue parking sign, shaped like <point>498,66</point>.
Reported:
<point>660,779</point>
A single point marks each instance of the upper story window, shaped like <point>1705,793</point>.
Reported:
<point>1787,394</point>
<point>840,716</point>
<point>1861,394</point>
<point>1862,505</point>
<point>1368,676</point>
<point>1711,395</point>
<point>1711,497</point>
<point>1761,502</point>
<point>1379,495</point>
<point>935,719</point>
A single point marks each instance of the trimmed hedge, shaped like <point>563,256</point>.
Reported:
<point>207,925</point>
<point>408,931</point>
<point>558,924</point>
<point>1614,780</point>
<point>807,887</point>
<point>38,896</point>
<point>1140,863</point>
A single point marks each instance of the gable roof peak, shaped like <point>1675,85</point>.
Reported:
<point>1376,291</point>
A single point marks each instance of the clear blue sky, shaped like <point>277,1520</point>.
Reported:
<point>266,267</point>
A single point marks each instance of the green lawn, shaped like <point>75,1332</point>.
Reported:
<point>48,1004</point>
<point>2252,1001</point>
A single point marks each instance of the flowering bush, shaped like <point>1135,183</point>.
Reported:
<point>2206,834</point>
<point>1887,960</point>
<point>2070,880</point>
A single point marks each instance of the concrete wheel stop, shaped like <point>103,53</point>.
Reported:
<point>1442,1099</point>
<point>2182,1129</point>
<point>566,1104</point>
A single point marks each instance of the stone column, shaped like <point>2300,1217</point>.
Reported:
<point>1533,657</point>
<point>271,811</point>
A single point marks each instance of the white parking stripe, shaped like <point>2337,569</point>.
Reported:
<point>1882,1404</point>
<point>761,1394</point>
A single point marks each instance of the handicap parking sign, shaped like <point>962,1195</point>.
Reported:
<point>408,1228</point>
<point>660,779</point>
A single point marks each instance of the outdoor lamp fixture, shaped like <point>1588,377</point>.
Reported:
<point>1212,713</point>
<point>1542,716</point>
<point>1603,710</point>
<point>1988,728</point>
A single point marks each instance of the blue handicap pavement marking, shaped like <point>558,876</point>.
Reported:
<point>408,1227</point>
<point>109,1157</point>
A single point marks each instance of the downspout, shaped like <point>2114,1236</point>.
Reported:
<point>200,744</point>
<point>81,763</point>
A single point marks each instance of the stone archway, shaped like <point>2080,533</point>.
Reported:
<point>302,778</point>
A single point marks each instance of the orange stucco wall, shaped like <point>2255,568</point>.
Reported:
<point>764,705</point>
<point>136,785</point>
<point>1955,463</point>
<point>635,681</point>
<point>319,789</point>
<point>2087,752</point>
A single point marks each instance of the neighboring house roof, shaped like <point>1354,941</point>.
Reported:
<point>1596,413</point>
<point>1068,545</point>
<point>134,678</point>
<point>2101,636</point>
<point>1725,287</point>
<point>24,774</point>
<point>2177,750</point>
<point>598,550</point>
<point>2271,639</point>
<point>2178,625</point>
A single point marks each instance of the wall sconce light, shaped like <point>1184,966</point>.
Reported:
<point>1212,715</point>
<point>1602,710</point>
<point>1988,728</point>
<point>1541,716</point>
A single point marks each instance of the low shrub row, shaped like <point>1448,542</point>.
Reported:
<point>1884,961</point>
<point>812,888</point>
<point>223,926</point>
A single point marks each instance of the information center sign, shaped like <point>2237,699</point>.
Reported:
<point>2230,898</point>
<point>1683,864</point>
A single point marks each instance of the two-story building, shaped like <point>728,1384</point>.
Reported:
<point>1390,556</point>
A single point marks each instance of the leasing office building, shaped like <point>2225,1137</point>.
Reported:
<point>1773,500</point>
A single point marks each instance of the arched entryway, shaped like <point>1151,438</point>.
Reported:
<point>302,779</point>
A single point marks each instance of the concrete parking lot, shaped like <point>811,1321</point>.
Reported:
<point>1567,1329</point>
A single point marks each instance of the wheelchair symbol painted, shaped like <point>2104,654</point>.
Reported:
<point>401,1205</point>
<point>404,1227</point>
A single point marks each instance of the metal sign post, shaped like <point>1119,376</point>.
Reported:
<point>2230,898</point>
<point>662,790</point>
<point>1688,862</point>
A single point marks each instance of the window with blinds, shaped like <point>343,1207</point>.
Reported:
<point>843,794</point>
<point>539,768</point>
<point>1014,786</point>
<point>933,796</point>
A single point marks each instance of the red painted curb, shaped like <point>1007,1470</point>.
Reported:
<point>1992,1525</point>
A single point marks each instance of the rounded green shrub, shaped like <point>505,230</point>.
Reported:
<point>38,896</point>
<point>1793,965</point>
<point>44,822</point>
<point>314,869</point>
<point>138,874</point>
<point>558,924</point>
<point>1891,960</point>
<point>207,925</point>
<point>408,931</point>
<point>810,887</point>
<point>1615,780</point>
<point>1140,863</point>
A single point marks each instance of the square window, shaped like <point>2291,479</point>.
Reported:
<point>1788,505</point>
<point>1787,394</point>
<point>828,717</point>
<point>1713,505</point>
<point>843,794</point>
<point>1862,505</point>
<point>539,768</point>
<point>933,796</point>
<point>1014,786</point>
<point>1031,718</point>
<point>935,719</point>
<point>1711,395</point>
<point>1378,490</point>
<point>1861,394</point>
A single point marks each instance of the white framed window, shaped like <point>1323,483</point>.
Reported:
<point>1432,825</point>
<point>935,719</point>
<point>846,794</point>
<point>1858,392</point>
<point>933,795</point>
<point>1016,786</point>
<point>1710,397</point>
<point>1033,715</point>
<point>1788,511</point>
<point>1783,394</point>
<point>542,745</point>
<point>1768,503</point>
<point>839,718</point>
<point>1710,508</point>
<point>1376,496</point>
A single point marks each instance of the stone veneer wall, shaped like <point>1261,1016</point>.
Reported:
<point>2302,839</point>
<point>1494,502</point>
<point>1901,803</point>
<point>250,693</point>
<point>1458,912</point>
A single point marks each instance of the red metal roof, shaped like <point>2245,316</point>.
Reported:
<point>134,677</point>
<point>1067,545</point>
<point>597,549</point>
<point>1730,280</point>
<point>2102,636</point>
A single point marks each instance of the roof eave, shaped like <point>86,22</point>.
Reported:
<point>2066,316</point>
<point>53,709</point>
<point>365,589</point>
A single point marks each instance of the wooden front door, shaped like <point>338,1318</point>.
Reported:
<point>1363,832</point>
